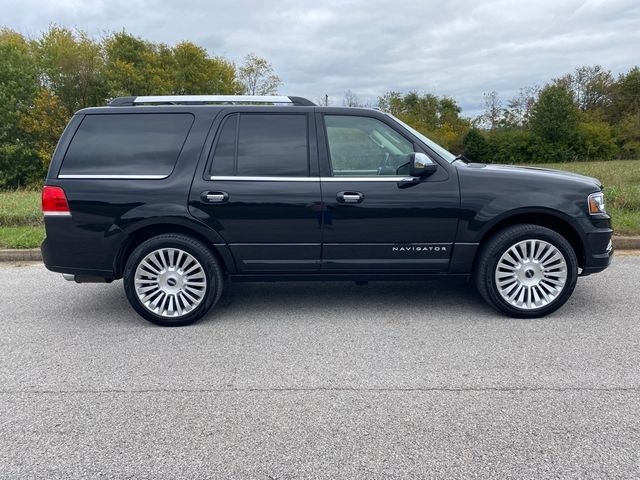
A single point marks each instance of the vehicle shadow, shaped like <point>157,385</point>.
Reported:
<point>443,298</point>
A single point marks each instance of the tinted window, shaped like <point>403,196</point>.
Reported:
<point>127,144</point>
<point>224,155</point>
<point>365,146</point>
<point>272,145</point>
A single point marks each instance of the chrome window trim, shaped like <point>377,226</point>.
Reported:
<point>116,177</point>
<point>377,178</point>
<point>232,178</point>
<point>239,178</point>
<point>57,214</point>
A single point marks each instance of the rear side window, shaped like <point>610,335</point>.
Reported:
<point>263,145</point>
<point>127,144</point>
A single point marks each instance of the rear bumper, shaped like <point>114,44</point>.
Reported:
<point>56,259</point>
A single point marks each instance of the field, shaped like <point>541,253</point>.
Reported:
<point>21,219</point>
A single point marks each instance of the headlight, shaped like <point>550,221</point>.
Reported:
<point>596,203</point>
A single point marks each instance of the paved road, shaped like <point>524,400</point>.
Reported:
<point>390,380</point>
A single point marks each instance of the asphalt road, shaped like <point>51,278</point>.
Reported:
<point>389,380</point>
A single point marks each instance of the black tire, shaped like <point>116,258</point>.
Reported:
<point>492,250</point>
<point>206,258</point>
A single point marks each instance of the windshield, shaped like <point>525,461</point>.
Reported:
<point>444,153</point>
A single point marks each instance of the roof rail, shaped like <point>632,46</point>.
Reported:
<point>200,99</point>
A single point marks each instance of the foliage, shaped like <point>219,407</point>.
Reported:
<point>437,117</point>
<point>18,87</point>
<point>258,77</point>
<point>45,80</point>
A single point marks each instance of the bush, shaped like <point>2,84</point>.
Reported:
<point>594,141</point>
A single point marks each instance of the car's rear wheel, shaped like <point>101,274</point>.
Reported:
<point>526,271</point>
<point>172,280</point>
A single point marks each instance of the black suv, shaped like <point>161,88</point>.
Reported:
<point>179,194</point>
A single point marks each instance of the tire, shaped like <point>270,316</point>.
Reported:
<point>172,280</point>
<point>533,280</point>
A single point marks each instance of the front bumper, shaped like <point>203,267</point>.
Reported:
<point>598,251</point>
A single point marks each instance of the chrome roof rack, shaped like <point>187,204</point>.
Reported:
<point>202,99</point>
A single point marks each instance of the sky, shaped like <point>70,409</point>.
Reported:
<point>459,48</point>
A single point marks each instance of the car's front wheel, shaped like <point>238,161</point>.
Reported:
<point>172,280</point>
<point>526,271</point>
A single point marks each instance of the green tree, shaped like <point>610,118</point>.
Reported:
<point>625,96</point>
<point>71,67</point>
<point>43,124</point>
<point>591,87</point>
<point>137,67</point>
<point>437,117</point>
<point>555,116</point>
<point>594,141</point>
<point>196,73</point>
<point>475,146</point>
<point>258,77</point>
<point>18,87</point>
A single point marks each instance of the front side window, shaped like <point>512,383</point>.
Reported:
<point>365,146</point>
<point>127,144</point>
<point>262,145</point>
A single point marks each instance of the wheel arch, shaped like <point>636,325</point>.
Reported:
<point>144,232</point>
<point>551,219</point>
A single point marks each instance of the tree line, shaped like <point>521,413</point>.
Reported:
<point>584,115</point>
<point>43,81</point>
<point>587,114</point>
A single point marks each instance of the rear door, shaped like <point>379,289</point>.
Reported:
<point>373,223</point>
<point>260,189</point>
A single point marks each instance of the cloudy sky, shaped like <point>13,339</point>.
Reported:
<point>460,48</point>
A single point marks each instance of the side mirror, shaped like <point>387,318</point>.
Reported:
<point>420,165</point>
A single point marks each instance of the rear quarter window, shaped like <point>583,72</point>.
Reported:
<point>127,144</point>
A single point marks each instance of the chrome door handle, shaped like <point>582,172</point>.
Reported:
<point>215,197</point>
<point>350,197</point>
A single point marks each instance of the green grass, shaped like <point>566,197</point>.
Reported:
<point>21,219</point>
<point>621,179</point>
<point>20,208</point>
<point>21,237</point>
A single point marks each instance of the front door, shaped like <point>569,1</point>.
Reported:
<point>372,220</point>
<point>260,190</point>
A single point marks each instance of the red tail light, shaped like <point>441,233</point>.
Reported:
<point>54,201</point>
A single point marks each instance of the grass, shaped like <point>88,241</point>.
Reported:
<point>21,237</point>
<point>20,207</point>
<point>21,219</point>
<point>621,179</point>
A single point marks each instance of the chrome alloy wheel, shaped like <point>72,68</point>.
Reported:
<point>531,274</point>
<point>170,282</point>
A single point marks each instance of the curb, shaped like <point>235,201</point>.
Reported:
<point>20,255</point>
<point>34,254</point>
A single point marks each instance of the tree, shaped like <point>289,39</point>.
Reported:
<point>591,87</point>
<point>257,76</point>
<point>626,96</point>
<point>518,109</point>
<point>18,88</point>
<point>43,124</point>
<point>351,99</point>
<point>475,146</point>
<point>555,116</point>
<point>137,67</point>
<point>437,117</point>
<point>72,67</point>
<point>196,73</point>
<point>493,113</point>
<point>594,141</point>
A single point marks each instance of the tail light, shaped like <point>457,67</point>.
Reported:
<point>54,202</point>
